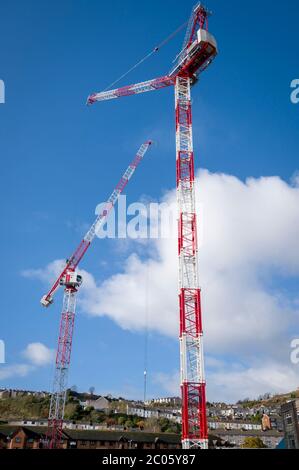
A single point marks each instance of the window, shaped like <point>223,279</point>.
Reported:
<point>17,440</point>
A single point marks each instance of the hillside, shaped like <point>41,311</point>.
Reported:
<point>26,407</point>
<point>33,408</point>
<point>29,407</point>
<point>270,400</point>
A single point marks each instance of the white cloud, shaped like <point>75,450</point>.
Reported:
<point>46,274</point>
<point>38,354</point>
<point>14,370</point>
<point>272,377</point>
<point>169,382</point>
<point>249,236</point>
<point>232,382</point>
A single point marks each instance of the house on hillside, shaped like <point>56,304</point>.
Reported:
<point>236,437</point>
<point>100,404</point>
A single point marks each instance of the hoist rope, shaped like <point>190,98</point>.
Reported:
<point>147,56</point>
<point>146,333</point>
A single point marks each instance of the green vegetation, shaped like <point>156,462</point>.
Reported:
<point>256,419</point>
<point>253,443</point>
<point>30,407</point>
<point>26,407</point>
<point>269,400</point>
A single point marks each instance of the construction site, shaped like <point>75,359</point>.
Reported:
<point>128,288</point>
<point>199,50</point>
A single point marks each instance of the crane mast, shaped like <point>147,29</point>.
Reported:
<point>199,50</point>
<point>63,358</point>
<point>194,421</point>
<point>71,281</point>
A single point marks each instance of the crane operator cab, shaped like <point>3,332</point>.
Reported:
<point>71,279</point>
<point>197,56</point>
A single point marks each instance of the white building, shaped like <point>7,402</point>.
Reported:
<point>143,412</point>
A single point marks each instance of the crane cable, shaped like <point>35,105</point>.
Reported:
<point>147,56</point>
<point>146,333</point>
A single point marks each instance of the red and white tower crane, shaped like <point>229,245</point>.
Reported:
<point>199,49</point>
<point>71,281</point>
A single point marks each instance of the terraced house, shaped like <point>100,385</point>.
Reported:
<point>22,437</point>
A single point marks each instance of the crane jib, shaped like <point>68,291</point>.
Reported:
<point>76,257</point>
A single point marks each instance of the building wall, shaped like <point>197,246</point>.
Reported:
<point>21,441</point>
<point>3,442</point>
<point>234,425</point>
<point>290,412</point>
<point>26,438</point>
<point>122,444</point>
<point>238,439</point>
<point>100,404</point>
<point>154,413</point>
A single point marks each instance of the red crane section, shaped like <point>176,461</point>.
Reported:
<point>199,50</point>
<point>78,254</point>
<point>71,282</point>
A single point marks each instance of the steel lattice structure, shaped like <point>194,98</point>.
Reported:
<point>63,358</point>
<point>194,427</point>
<point>71,280</point>
<point>199,50</point>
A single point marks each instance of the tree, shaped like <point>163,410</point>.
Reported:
<point>256,418</point>
<point>110,422</point>
<point>101,417</point>
<point>129,424</point>
<point>164,424</point>
<point>241,402</point>
<point>253,443</point>
<point>73,411</point>
<point>91,390</point>
<point>89,409</point>
<point>152,425</point>
<point>267,396</point>
<point>140,425</point>
<point>121,406</point>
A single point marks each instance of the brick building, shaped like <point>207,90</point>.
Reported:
<point>266,423</point>
<point>3,440</point>
<point>122,440</point>
<point>21,437</point>
<point>34,438</point>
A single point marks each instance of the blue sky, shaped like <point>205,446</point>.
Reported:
<point>60,158</point>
